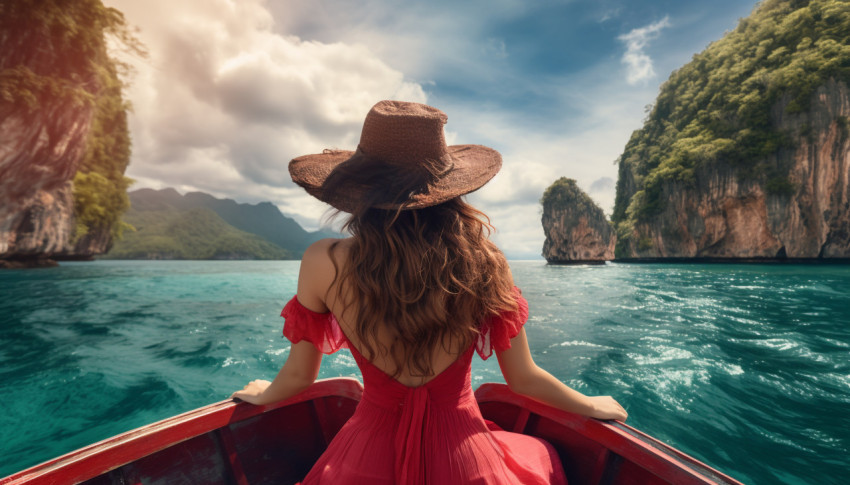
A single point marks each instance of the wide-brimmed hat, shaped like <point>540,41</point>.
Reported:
<point>402,161</point>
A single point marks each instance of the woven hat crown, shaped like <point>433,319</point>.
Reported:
<point>398,132</point>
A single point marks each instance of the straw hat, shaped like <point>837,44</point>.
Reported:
<point>402,161</point>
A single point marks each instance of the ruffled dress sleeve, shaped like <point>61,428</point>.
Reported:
<point>320,329</point>
<point>496,332</point>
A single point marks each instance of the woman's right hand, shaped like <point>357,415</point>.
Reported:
<point>606,407</point>
<point>253,392</point>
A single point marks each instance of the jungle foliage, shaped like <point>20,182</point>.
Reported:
<point>565,192</point>
<point>716,108</point>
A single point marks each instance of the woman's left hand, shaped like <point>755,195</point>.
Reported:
<point>253,392</point>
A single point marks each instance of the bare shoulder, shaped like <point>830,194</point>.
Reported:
<point>318,271</point>
<point>324,251</point>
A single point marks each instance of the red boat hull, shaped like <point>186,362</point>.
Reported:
<point>229,443</point>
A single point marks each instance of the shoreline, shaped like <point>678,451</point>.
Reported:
<point>36,263</point>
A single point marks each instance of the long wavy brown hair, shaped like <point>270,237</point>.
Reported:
<point>428,276</point>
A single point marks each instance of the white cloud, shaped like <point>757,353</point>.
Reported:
<point>224,102</point>
<point>418,38</point>
<point>638,63</point>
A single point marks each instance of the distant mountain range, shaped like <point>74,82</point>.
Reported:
<point>199,226</point>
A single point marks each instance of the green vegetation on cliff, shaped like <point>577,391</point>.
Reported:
<point>100,187</point>
<point>58,49</point>
<point>565,192</point>
<point>716,108</point>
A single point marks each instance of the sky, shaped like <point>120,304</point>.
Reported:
<point>231,90</point>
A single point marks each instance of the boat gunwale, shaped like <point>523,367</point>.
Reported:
<point>190,424</point>
<point>615,436</point>
<point>83,464</point>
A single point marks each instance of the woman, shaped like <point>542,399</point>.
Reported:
<point>414,293</point>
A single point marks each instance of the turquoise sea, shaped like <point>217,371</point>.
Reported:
<point>746,367</point>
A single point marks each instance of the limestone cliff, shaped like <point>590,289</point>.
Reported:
<point>745,153</point>
<point>64,143</point>
<point>576,228</point>
<point>722,215</point>
<point>39,154</point>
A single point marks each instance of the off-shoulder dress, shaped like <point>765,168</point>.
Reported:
<point>431,434</point>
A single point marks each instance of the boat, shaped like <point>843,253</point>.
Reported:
<point>238,443</point>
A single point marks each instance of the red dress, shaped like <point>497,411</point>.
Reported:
<point>431,434</point>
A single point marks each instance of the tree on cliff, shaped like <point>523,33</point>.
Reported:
<point>565,193</point>
<point>717,108</point>
<point>55,69</point>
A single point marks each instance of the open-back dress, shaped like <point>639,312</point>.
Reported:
<point>430,434</point>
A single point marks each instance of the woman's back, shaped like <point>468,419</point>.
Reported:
<point>429,432</point>
<point>320,264</point>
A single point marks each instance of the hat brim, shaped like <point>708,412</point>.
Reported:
<point>474,166</point>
